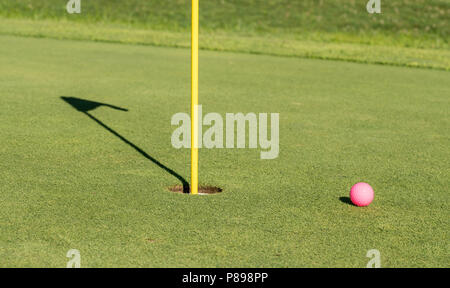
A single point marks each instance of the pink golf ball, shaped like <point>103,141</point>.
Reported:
<point>361,194</point>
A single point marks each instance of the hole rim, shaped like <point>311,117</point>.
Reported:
<point>202,190</point>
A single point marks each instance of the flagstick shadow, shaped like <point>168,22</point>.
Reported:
<point>85,105</point>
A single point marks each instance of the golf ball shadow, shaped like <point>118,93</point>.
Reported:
<point>346,200</point>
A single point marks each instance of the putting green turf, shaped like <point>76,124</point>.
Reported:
<point>68,183</point>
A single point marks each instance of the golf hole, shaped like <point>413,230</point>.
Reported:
<point>202,190</point>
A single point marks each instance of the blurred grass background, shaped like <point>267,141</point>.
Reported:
<point>305,27</point>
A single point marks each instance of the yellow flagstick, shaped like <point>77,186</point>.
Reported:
<point>194,98</point>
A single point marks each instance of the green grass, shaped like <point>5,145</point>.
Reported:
<point>317,46</point>
<point>66,182</point>
<point>407,33</point>
<point>409,17</point>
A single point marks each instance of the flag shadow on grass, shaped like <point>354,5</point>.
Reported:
<point>84,106</point>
